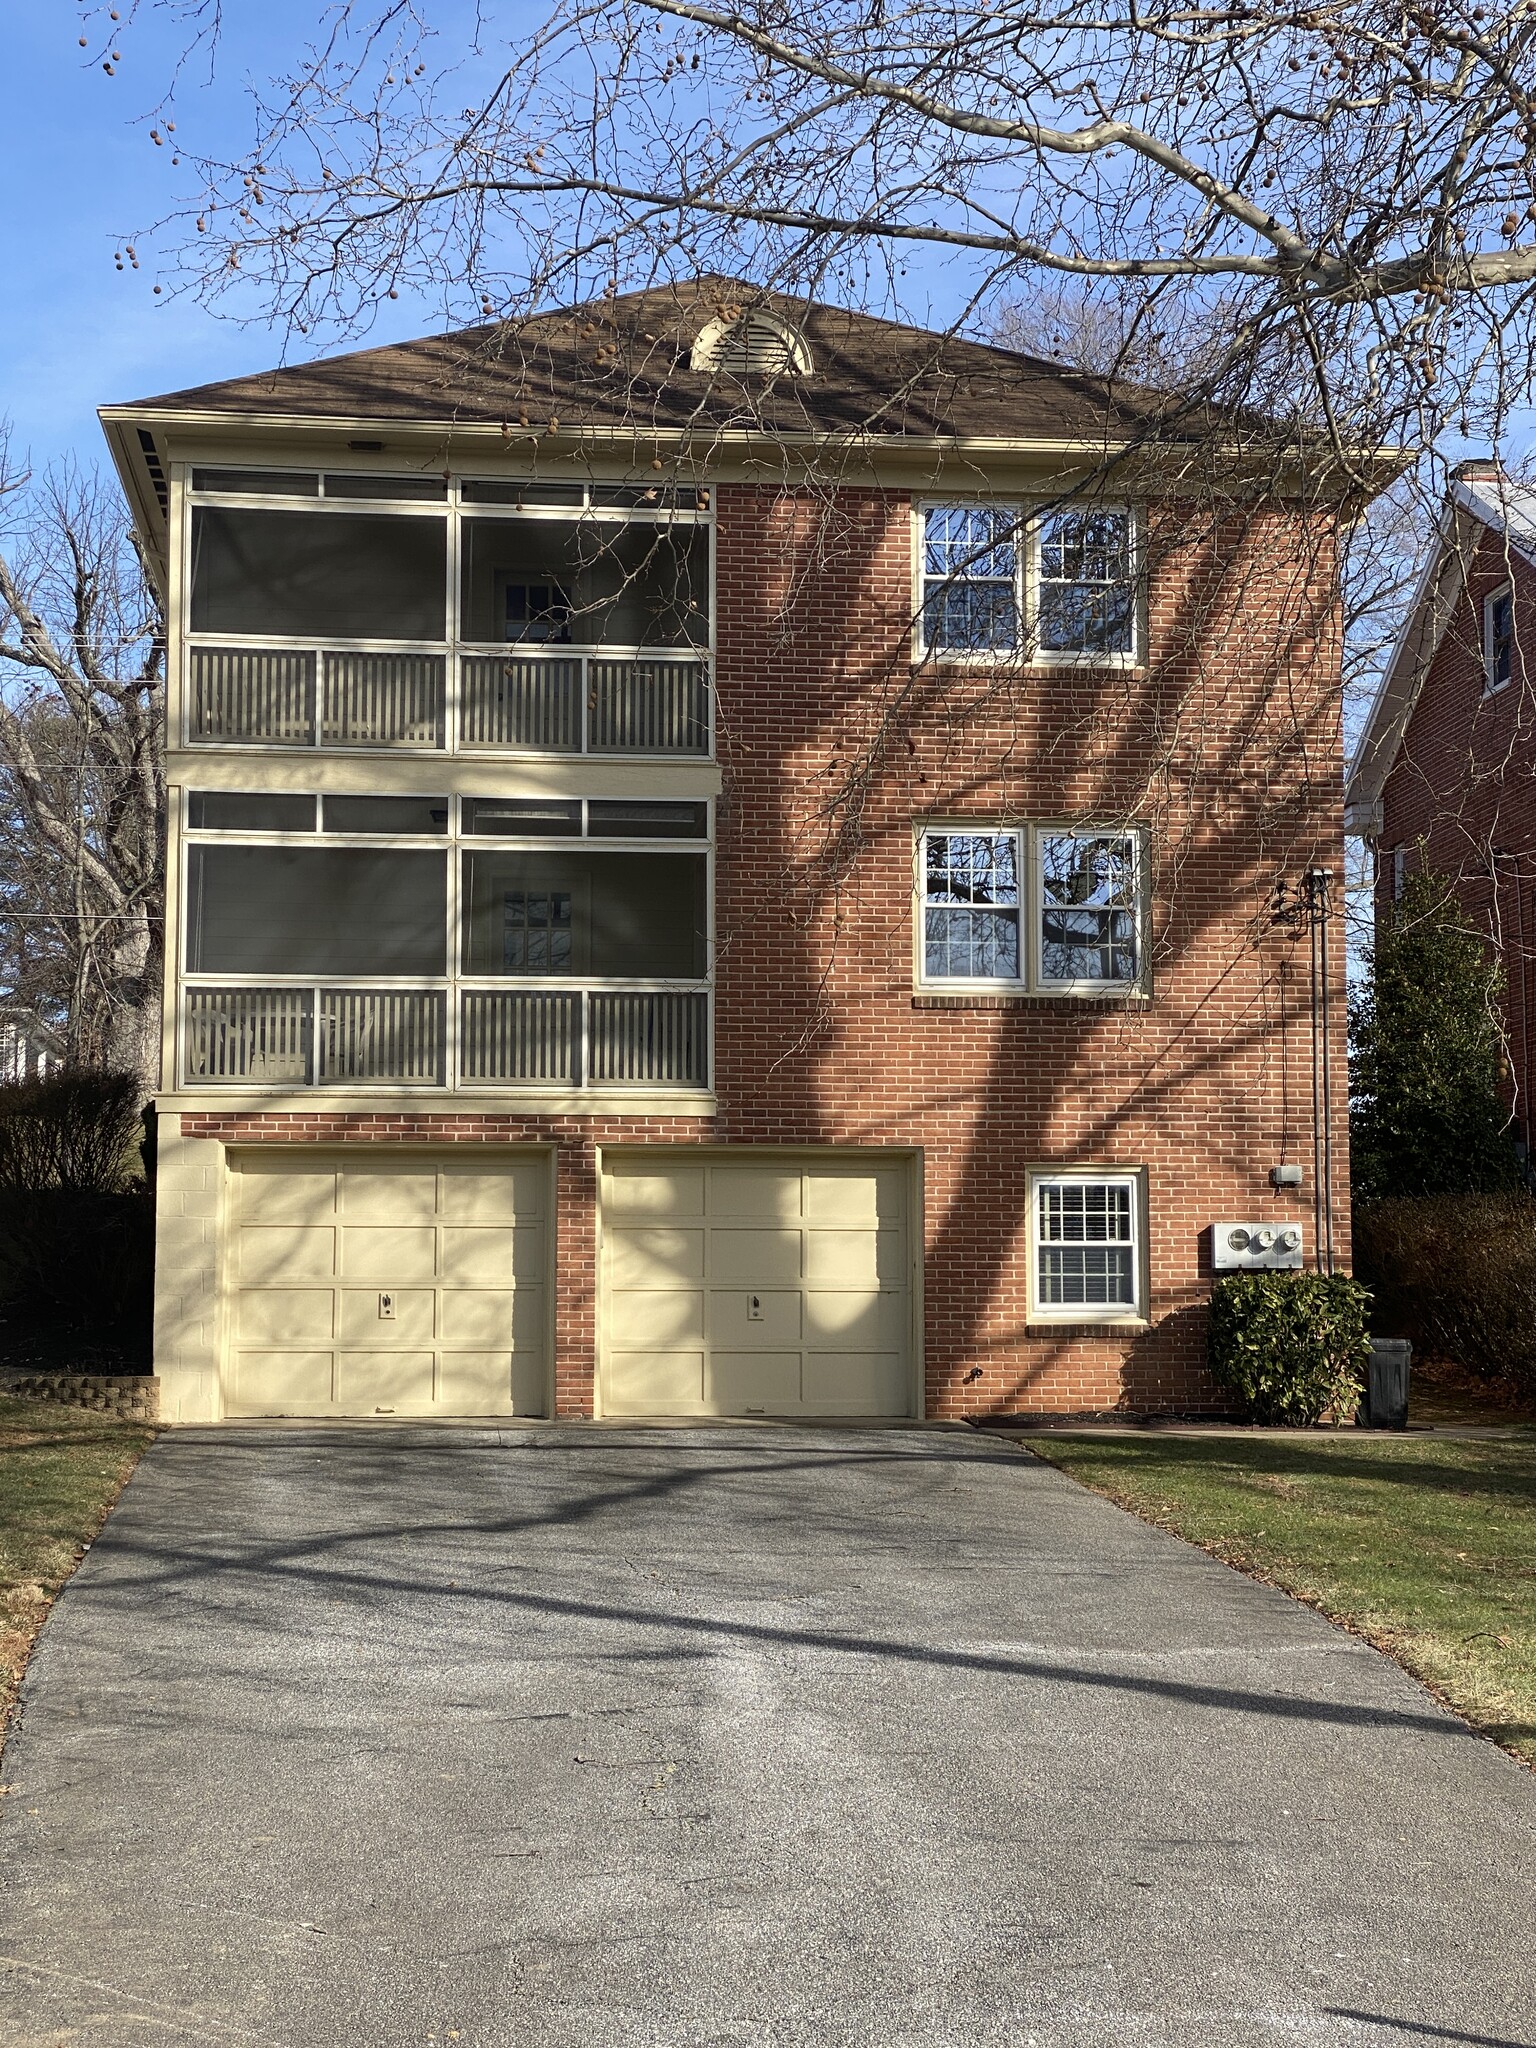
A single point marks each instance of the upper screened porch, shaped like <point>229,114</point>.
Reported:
<point>355,611</point>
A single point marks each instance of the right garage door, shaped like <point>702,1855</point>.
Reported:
<point>756,1286</point>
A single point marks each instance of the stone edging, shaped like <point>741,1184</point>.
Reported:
<point>132,1397</point>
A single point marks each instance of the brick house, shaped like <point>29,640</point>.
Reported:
<point>1444,773</point>
<point>715,870</point>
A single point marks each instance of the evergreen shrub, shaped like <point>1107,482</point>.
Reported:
<point>1290,1346</point>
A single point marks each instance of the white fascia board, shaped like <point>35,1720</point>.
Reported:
<point>1500,516</point>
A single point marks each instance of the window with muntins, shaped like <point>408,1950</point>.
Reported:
<point>1086,1246</point>
<point>1031,909</point>
<point>1088,908</point>
<point>1498,639</point>
<point>1085,588</point>
<point>1057,586</point>
<point>971,907</point>
<point>971,558</point>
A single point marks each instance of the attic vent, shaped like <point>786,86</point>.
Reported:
<point>156,473</point>
<point>751,345</point>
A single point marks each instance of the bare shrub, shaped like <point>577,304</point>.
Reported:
<point>1457,1274</point>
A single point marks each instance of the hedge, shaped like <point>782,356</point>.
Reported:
<point>1457,1275</point>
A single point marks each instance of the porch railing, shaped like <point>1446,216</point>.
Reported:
<point>576,703</point>
<point>300,1037</point>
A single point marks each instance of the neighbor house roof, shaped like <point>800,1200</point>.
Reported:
<point>1481,500</point>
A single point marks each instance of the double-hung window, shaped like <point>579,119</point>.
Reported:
<point>1089,913</point>
<point>1031,909</point>
<point>1056,586</point>
<point>971,562</point>
<point>1498,640</point>
<point>1085,1249</point>
<point>971,907</point>
<point>1085,585</point>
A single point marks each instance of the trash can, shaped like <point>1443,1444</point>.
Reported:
<point>1386,1388</point>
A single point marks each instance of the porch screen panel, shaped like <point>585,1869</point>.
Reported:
<point>354,576</point>
<point>324,911</point>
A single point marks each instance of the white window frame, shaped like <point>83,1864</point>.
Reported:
<point>1037,902</point>
<point>1076,657</point>
<point>1491,686</point>
<point>1030,866</point>
<point>972,828</point>
<point>1135,1312</point>
<point>1026,653</point>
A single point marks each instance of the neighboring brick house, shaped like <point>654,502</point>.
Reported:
<point>714,872</point>
<point>1444,774</point>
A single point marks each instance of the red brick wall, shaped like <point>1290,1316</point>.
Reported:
<point>1225,746</point>
<point>1461,794</point>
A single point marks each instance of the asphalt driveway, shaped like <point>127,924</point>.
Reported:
<point>592,1738</point>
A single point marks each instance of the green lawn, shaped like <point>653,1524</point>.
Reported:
<point>1425,1545</point>
<point>60,1470</point>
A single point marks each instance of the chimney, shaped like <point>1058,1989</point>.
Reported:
<point>1478,469</point>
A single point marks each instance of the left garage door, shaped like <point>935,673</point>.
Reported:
<point>409,1287</point>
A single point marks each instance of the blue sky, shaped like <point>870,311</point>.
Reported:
<point>77,173</point>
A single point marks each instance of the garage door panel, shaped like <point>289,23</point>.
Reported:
<point>856,1258</point>
<point>271,1254</point>
<point>388,1256</point>
<point>471,1195</point>
<point>282,1383</point>
<point>754,1382</point>
<point>457,1245</point>
<point>754,1258</point>
<point>658,1383</point>
<point>732,1323</point>
<point>855,1383</point>
<point>852,1198</point>
<point>847,1258</point>
<point>648,1316</point>
<point>286,1197</point>
<point>477,1317</point>
<point>799,1267</point>
<point>397,1196</point>
<point>476,1383</point>
<point>358,1321</point>
<point>476,1255</point>
<point>285,1315</point>
<point>655,1190</point>
<point>772,1193</point>
<point>860,1318</point>
<point>656,1257</point>
<point>370,1382</point>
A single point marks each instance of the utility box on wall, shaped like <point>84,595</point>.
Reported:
<point>1255,1247</point>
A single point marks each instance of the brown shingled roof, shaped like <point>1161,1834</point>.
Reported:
<point>623,362</point>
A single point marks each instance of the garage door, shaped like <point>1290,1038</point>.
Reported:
<point>413,1287</point>
<point>750,1286</point>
